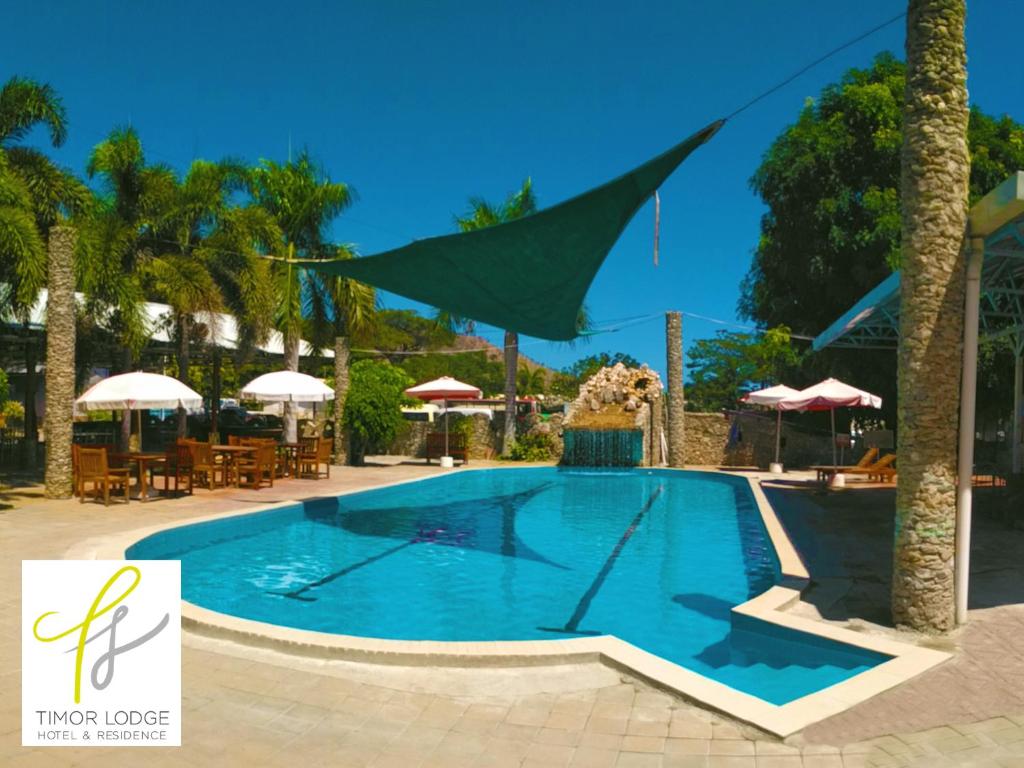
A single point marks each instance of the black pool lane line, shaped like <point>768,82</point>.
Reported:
<point>572,625</point>
<point>296,594</point>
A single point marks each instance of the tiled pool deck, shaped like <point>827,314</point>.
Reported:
<point>258,707</point>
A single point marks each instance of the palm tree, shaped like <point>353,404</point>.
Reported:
<point>303,201</point>
<point>209,259</point>
<point>482,214</point>
<point>117,238</point>
<point>935,170</point>
<point>531,382</point>
<point>35,195</point>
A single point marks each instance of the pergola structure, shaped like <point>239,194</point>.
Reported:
<point>994,308</point>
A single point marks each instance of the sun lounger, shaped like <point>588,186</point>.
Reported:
<point>882,470</point>
<point>824,470</point>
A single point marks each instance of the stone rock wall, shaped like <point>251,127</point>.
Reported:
<point>484,437</point>
<point>621,398</point>
<point>708,442</point>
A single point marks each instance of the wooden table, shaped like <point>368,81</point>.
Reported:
<point>231,454</point>
<point>142,461</point>
<point>291,452</point>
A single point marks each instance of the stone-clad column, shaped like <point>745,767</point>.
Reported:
<point>676,401</point>
<point>341,355</point>
<point>935,169</point>
<point>60,361</point>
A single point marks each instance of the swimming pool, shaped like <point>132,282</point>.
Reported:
<point>655,557</point>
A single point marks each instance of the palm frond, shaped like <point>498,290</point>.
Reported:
<point>24,104</point>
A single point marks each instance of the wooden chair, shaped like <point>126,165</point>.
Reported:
<point>204,467</point>
<point>179,467</point>
<point>279,462</point>
<point>258,468</point>
<point>93,468</point>
<point>310,460</point>
<point>234,440</point>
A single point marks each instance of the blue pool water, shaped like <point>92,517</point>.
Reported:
<point>656,558</point>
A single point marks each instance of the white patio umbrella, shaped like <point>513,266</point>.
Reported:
<point>828,395</point>
<point>770,398</point>
<point>442,389</point>
<point>287,386</point>
<point>136,391</point>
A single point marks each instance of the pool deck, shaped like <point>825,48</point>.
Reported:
<point>251,706</point>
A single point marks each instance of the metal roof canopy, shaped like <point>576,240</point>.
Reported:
<point>873,322</point>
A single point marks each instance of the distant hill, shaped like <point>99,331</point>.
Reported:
<point>473,343</point>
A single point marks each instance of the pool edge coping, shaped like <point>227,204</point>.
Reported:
<point>784,720</point>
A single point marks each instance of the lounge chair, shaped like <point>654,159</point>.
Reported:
<point>824,470</point>
<point>882,470</point>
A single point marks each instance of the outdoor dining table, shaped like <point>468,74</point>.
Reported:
<point>230,453</point>
<point>143,460</point>
<point>290,452</point>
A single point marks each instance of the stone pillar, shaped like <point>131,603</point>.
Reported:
<point>658,456</point>
<point>60,361</point>
<point>935,170</point>
<point>676,401</point>
<point>341,356</point>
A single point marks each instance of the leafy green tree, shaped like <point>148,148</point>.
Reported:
<point>34,192</point>
<point>531,382</point>
<point>482,214</point>
<point>304,201</point>
<point>568,381</point>
<point>403,330</point>
<point>831,183</point>
<point>469,367</point>
<point>726,367</point>
<point>373,407</point>
<point>209,259</point>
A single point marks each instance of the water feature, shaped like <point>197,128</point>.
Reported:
<point>603,447</point>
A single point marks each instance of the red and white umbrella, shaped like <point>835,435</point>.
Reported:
<point>770,398</point>
<point>828,395</point>
<point>445,388</point>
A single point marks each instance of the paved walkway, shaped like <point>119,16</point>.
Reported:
<point>244,706</point>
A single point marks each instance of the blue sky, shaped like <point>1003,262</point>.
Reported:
<point>421,105</point>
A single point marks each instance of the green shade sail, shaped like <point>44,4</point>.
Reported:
<point>529,275</point>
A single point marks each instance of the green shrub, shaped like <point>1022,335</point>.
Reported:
<point>4,388</point>
<point>373,413</point>
<point>533,446</point>
<point>13,413</point>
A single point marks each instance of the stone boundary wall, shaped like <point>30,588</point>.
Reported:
<point>707,442</point>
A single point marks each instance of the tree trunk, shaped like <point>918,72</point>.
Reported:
<point>60,361</point>
<point>291,363</point>
<point>935,168</point>
<point>31,442</point>
<point>184,361</point>
<point>676,395</point>
<point>341,440</point>
<point>215,395</point>
<point>511,369</point>
<point>126,416</point>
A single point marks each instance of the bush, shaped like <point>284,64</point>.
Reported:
<point>13,413</point>
<point>5,392</point>
<point>373,413</point>
<point>533,446</point>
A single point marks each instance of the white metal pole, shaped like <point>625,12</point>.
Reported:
<point>968,401</point>
<point>1018,416</point>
